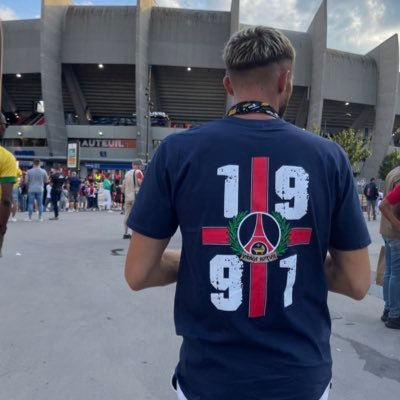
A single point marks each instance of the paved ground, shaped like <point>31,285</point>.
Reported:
<point>70,329</point>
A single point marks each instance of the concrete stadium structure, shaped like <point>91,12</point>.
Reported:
<point>100,70</point>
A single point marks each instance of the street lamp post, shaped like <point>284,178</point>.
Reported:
<point>148,116</point>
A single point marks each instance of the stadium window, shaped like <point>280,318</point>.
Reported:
<point>25,142</point>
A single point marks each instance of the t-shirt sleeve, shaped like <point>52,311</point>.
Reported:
<point>394,196</point>
<point>8,168</point>
<point>139,174</point>
<point>154,214</point>
<point>348,228</point>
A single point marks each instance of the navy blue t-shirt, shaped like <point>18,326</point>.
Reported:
<point>258,202</point>
<point>74,184</point>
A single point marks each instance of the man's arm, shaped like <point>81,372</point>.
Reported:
<point>148,264</point>
<point>139,177</point>
<point>388,212</point>
<point>348,272</point>
<point>5,206</point>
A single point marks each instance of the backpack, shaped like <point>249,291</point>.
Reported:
<point>369,191</point>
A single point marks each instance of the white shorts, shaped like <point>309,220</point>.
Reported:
<point>181,396</point>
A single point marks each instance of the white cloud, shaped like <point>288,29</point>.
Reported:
<point>354,25</point>
<point>169,3</point>
<point>83,3</point>
<point>361,29</point>
<point>288,14</point>
<point>280,14</point>
<point>6,13</point>
<point>220,5</point>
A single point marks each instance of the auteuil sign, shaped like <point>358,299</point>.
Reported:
<point>108,143</point>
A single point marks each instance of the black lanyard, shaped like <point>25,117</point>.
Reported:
<point>248,107</point>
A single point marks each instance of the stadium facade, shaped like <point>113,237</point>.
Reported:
<point>93,75</point>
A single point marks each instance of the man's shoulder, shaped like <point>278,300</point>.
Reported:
<point>8,166</point>
<point>6,156</point>
<point>195,133</point>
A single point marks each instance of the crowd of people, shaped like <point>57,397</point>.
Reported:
<point>38,190</point>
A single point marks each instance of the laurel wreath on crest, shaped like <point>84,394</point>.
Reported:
<point>233,227</point>
<point>285,231</point>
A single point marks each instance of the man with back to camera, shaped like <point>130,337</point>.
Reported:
<point>57,180</point>
<point>36,178</point>
<point>257,222</point>
<point>74,186</point>
<point>8,177</point>
<point>371,193</point>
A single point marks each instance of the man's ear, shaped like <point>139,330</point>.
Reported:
<point>228,85</point>
<point>284,76</point>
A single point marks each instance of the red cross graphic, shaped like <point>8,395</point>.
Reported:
<point>259,204</point>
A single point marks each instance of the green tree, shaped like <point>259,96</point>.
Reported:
<point>390,161</point>
<point>354,145</point>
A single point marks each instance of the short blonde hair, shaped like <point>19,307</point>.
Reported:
<point>257,47</point>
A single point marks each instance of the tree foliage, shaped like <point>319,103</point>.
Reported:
<point>390,161</point>
<point>352,143</point>
<point>355,146</point>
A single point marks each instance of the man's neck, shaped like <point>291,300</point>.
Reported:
<point>274,103</point>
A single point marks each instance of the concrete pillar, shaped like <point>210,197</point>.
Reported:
<point>77,96</point>
<point>318,33</point>
<point>53,13</point>
<point>235,16</point>
<point>144,139</point>
<point>386,56</point>
<point>235,27</point>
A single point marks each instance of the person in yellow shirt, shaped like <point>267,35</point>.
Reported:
<point>8,177</point>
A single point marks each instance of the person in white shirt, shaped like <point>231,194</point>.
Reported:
<point>130,187</point>
<point>48,197</point>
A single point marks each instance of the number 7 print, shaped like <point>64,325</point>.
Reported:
<point>291,183</point>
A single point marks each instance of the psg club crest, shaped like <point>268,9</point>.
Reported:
<point>259,237</point>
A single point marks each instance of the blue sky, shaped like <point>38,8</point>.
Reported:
<point>354,25</point>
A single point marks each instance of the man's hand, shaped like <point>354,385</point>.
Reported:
<point>5,206</point>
